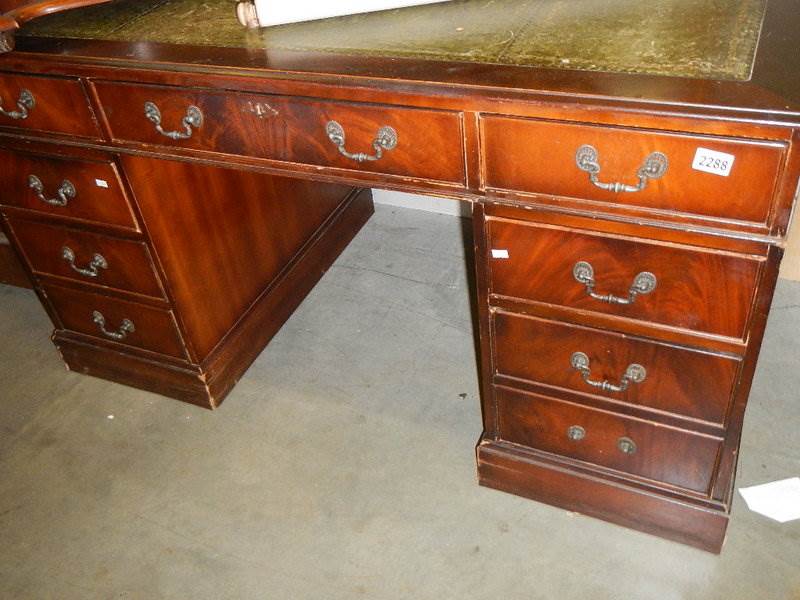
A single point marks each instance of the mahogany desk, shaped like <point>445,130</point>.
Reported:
<point>177,184</point>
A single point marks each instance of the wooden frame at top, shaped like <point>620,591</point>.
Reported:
<point>13,13</point>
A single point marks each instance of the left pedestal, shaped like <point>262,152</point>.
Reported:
<point>164,275</point>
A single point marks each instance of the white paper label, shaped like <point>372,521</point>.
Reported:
<point>499,253</point>
<point>101,183</point>
<point>711,161</point>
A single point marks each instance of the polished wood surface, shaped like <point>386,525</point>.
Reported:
<point>129,265</point>
<point>670,456</point>
<point>251,227</point>
<point>155,328</point>
<point>59,105</point>
<point>291,129</point>
<point>709,292</point>
<point>681,381</point>
<point>242,214</point>
<point>747,193</point>
<point>11,269</point>
<point>99,197</point>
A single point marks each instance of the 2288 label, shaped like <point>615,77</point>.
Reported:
<point>711,161</point>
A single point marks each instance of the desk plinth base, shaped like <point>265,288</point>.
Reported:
<point>207,384</point>
<point>533,476</point>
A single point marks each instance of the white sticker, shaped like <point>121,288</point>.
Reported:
<point>101,183</point>
<point>711,161</point>
<point>499,253</point>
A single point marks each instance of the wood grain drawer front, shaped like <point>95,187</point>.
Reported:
<point>87,257</point>
<point>428,144</point>
<point>46,104</point>
<point>681,381</point>
<point>625,444</point>
<point>542,157</point>
<point>75,189</point>
<point>117,320</point>
<point>692,289</point>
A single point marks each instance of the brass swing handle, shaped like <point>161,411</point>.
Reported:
<point>25,103</point>
<point>66,191</point>
<point>633,374</point>
<point>193,119</point>
<point>386,139</point>
<point>654,167</point>
<point>125,328</point>
<point>644,283</point>
<point>93,270</point>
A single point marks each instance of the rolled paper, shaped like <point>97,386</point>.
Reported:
<point>266,13</point>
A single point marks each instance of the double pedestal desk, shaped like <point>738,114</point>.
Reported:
<point>175,200</point>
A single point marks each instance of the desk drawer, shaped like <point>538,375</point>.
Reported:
<point>625,444</point>
<point>688,288</point>
<point>117,320</point>
<point>88,257</point>
<point>672,379</point>
<point>62,187</point>
<point>428,143</point>
<point>46,104</point>
<point>541,157</point>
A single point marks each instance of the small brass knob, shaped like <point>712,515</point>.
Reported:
<point>576,433</point>
<point>626,445</point>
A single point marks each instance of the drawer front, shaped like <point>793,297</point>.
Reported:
<point>424,144</point>
<point>699,290</point>
<point>88,257</point>
<point>542,157</point>
<point>75,189</point>
<point>45,104</point>
<point>117,320</point>
<point>677,380</point>
<point>659,453</point>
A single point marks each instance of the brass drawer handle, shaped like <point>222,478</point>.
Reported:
<point>626,445</point>
<point>25,103</point>
<point>654,167</point>
<point>123,331</point>
<point>576,433</point>
<point>193,119</point>
<point>65,193</point>
<point>98,262</point>
<point>633,374</point>
<point>386,139</point>
<point>644,283</point>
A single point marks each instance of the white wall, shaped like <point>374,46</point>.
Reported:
<point>444,206</point>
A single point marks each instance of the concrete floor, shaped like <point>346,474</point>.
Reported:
<point>342,465</point>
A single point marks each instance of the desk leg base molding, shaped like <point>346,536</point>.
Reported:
<point>207,384</point>
<point>530,475</point>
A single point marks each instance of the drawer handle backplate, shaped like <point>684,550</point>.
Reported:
<point>576,433</point>
<point>633,374</point>
<point>25,103</point>
<point>65,193</point>
<point>93,270</point>
<point>644,283</point>
<point>386,139</point>
<point>124,329</point>
<point>193,119</point>
<point>626,445</point>
<point>654,167</point>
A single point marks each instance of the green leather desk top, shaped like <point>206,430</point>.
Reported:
<point>707,39</point>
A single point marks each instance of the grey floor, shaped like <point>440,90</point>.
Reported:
<point>341,467</point>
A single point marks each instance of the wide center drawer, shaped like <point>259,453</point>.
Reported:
<point>586,161</point>
<point>625,444</point>
<point>65,187</point>
<point>46,104</point>
<point>615,367</point>
<point>689,288</point>
<point>88,257</point>
<point>116,320</point>
<point>424,144</point>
